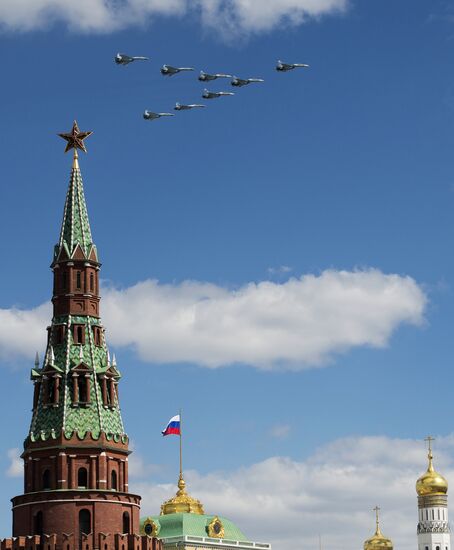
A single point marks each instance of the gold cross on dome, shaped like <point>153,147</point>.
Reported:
<point>376,510</point>
<point>429,440</point>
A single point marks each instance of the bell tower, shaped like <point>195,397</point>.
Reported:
<point>433,526</point>
<point>76,452</point>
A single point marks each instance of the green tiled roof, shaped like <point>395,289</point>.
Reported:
<point>75,227</point>
<point>50,420</point>
<point>178,525</point>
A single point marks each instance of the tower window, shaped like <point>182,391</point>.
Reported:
<point>79,334</point>
<point>46,480</point>
<point>113,481</point>
<point>83,390</point>
<point>97,335</point>
<point>78,280</point>
<point>82,479</point>
<point>59,334</point>
<point>92,282</point>
<point>437,548</point>
<point>84,523</point>
<point>433,517</point>
<point>38,524</point>
<point>64,280</point>
<point>126,523</point>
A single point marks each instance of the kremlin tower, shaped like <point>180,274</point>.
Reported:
<point>75,455</point>
<point>433,526</point>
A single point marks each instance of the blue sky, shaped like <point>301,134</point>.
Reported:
<point>346,166</point>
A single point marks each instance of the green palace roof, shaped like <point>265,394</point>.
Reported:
<point>196,525</point>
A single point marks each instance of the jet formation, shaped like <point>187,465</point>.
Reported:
<point>169,70</point>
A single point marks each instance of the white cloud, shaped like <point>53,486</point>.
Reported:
<point>332,493</point>
<point>301,323</point>
<point>232,16</point>
<point>16,468</point>
<point>22,332</point>
<point>280,431</point>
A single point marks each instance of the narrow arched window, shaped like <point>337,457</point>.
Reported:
<point>64,280</point>
<point>126,523</point>
<point>92,282</point>
<point>82,478</point>
<point>84,523</point>
<point>46,480</point>
<point>113,480</point>
<point>80,334</point>
<point>78,280</point>
<point>38,524</point>
<point>83,393</point>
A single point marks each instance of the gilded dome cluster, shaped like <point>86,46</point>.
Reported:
<point>431,482</point>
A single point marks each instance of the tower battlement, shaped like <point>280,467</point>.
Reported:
<point>104,541</point>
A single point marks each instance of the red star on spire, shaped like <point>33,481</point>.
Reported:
<point>75,138</point>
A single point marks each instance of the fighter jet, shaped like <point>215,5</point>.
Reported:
<point>212,95</point>
<point>244,81</point>
<point>281,66</point>
<point>149,115</point>
<point>180,107</point>
<point>205,77</point>
<point>123,59</point>
<point>167,70</point>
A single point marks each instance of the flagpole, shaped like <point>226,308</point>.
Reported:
<point>181,446</point>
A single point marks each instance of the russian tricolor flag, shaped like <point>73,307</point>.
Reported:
<point>173,426</point>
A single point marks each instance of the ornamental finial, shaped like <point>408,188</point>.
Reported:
<point>430,455</point>
<point>377,518</point>
<point>75,139</point>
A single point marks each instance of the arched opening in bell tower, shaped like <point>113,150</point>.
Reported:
<point>46,480</point>
<point>126,524</point>
<point>113,480</point>
<point>84,524</point>
<point>38,524</point>
<point>82,478</point>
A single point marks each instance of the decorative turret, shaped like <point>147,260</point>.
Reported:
<point>76,452</point>
<point>432,489</point>
<point>378,541</point>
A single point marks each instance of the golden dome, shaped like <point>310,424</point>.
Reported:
<point>431,482</point>
<point>182,502</point>
<point>378,541</point>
